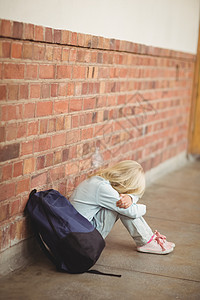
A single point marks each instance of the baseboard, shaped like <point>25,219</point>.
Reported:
<point>166,167</point>
<point>18,256</point>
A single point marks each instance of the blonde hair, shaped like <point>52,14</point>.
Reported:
<point>126,177</point>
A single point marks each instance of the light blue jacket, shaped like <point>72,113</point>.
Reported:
<point>95,192</point>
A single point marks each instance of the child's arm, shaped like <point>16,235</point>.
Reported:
<point>108,197</point>
<point>126,200</point>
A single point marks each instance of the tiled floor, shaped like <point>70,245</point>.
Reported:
<point>173,207</point>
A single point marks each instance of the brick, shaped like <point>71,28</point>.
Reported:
<point>75,121</point>
<point>23,91</point>
<point>22,186</point>
<point>4,212</point>
<point>85,149</point>
<point>9,152</point>
<point>42,144</point>
<point>45,91</point>
<point>48,35</point>
<point>38,180</point>
<point>7,190</point>
<point>86,119</point>
<point>57,36</point>
<point>60,123</point>
<point>75,105</point>
<point>2,92</point>
<point>11,132</point>
<point>100,42</point>
<point>49,53</point>
<point>16,50</point>
<point>80,55</point>
<point>2,134</point>
<point>57,157</point>
<point>81,39</point>
<point>79,72</point>
<point>74,37</point>
<point>27,50</point>
<point>6,28</point>
<point>14,207</point>
<point>7,172</point>
<point>39,33</point>
<point>43,126</point>
<point>72,54</point>
<point>29,31</point>
<point>57,53</point>
<point>52,125</point>
<point>74,151</point>
<point>58,140</point>
<point>29,165</point>
<point>5,49</point>
<point>94,43</point>
<point>54,90</point>
<point>67,122</point>
<point>38,52</point>
<point>49,160</point>
<point>64,72</point>
<point>89,103</point>
<point>71,168</point>
<point>47,71</point>
<point>26,148</point>
<point>14,71</point>
<point>21,130</point>
<point>18,30</point>
<point>35,91</point>
<point>1,70</point>
<point>57,173</point>
<point>31,71</point>
<point>62,89</point>
<point>70,89</point>
<point>65,54</point>
<point>72,137</point>
<point>65,155</point>
<point>15,235</point>
<point>85,88</point>
<point>29,110</point>
<point>18,169</point>
<point>61,107</point>
<point>65,37</point>
<point>13,92</point>
<point>86,133</point>
<point>32,128</point>
<point>78,89</point>
<point>5,237</point>
<point>40,162</point>
<point>44,108</point>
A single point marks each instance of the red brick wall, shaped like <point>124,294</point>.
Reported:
<point>63,94</point>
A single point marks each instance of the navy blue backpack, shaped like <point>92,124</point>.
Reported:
<point>68,239</point>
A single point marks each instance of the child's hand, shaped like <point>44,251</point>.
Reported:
<point>125,201</point>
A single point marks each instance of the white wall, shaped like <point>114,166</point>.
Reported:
<point>171,24</point>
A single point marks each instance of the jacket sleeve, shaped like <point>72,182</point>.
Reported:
<point>107,198</point>
<point>134,198</point>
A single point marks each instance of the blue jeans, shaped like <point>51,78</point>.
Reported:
<point>139,230</point>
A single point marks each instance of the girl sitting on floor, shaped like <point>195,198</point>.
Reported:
<point>112,194</point>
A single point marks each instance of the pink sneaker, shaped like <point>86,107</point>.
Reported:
<point>165,242</point>
<point>157,245</point>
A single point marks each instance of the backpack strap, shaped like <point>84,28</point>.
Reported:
<point>46,251</point>
<point>102,273</point>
